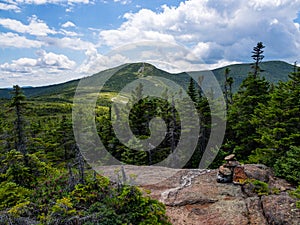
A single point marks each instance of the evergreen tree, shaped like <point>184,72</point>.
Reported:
<point>228,87</point>
<point>192,90</point>
<point>18,103</point>
<point>278,123</point>
<point>230,82</point>
<point>203,109</point>
<point>257,57</point>
<point>134,157</point>
<point>241,134</point>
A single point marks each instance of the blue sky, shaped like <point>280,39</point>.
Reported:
<point>51,41</point>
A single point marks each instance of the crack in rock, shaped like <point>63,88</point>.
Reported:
<point>185,181</point>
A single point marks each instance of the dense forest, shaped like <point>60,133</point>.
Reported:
<point>45,179</point>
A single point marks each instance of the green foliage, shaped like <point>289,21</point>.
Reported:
<point>288,166</point>
<point>257,57</point>
<point>263,127</point>
<point>53,200</point>
<point>242,134</point>
<point>277,122</point>
<point>296,194</point>
<point>260,187</point>
<point>15,169</point>
<point>12,194</point>
<point>274,71</point>
<point>61,211</point>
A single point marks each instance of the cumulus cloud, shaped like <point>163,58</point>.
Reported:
<point>55,62</point>
<point>68,24</point>
<point>13,7</point>
<point>216,30</point>
<point>16,41</point>
<point>35,27</point>
<point>58,61</point>
<point>171,57</point>
<point>96,62</point>
<point>66,29</point>
<point>46,68</point>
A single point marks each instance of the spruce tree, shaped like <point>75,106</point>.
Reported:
<point>192,90</point>
<point>228,81</point>
<point>257,57</point>
<point>254,90</point>
<point>278,123</point>
<point>18,103</point>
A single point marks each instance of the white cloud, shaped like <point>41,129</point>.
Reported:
<point>42,2</point>
<point>35,27</point>
<point>123,2</point>
<point>68,24</point>
<point>47,68</point>
<point>15,41</point>
<point>60,62</point>
<point>96,62</point>
<point>69,33</point>
<point>44,61</point>
<point>67,42</point>
<point>216,30</point>
<point>13,7</point>
<point>66,29</point>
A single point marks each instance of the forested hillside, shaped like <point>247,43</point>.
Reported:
<point>273,71</point>
<point>45,180</point>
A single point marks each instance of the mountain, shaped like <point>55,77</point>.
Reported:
<point>273,71</point>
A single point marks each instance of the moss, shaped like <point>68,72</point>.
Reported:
<point>296,194</point>
<point>259,187</point>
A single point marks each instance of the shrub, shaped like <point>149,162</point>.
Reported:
<point>12,194</point>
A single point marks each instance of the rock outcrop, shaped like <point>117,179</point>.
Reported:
<point>194,197</point>
<point>205,201</point>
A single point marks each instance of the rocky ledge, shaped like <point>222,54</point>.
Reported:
<point>194,197</point>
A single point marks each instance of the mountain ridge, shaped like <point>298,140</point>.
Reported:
<point>273,71</point>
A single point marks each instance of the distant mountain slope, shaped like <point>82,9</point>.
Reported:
<point>273,71</point>
<point>63,90</point>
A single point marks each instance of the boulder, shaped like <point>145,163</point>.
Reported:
<point>280,209</point>
<point>255,211</point>
<point>258,172</point>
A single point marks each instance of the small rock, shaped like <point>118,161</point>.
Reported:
<point>239,175</point>
<point>225,171</point>
<point>232,164</point>
<point>229,157</point>
<point>224,179</point>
